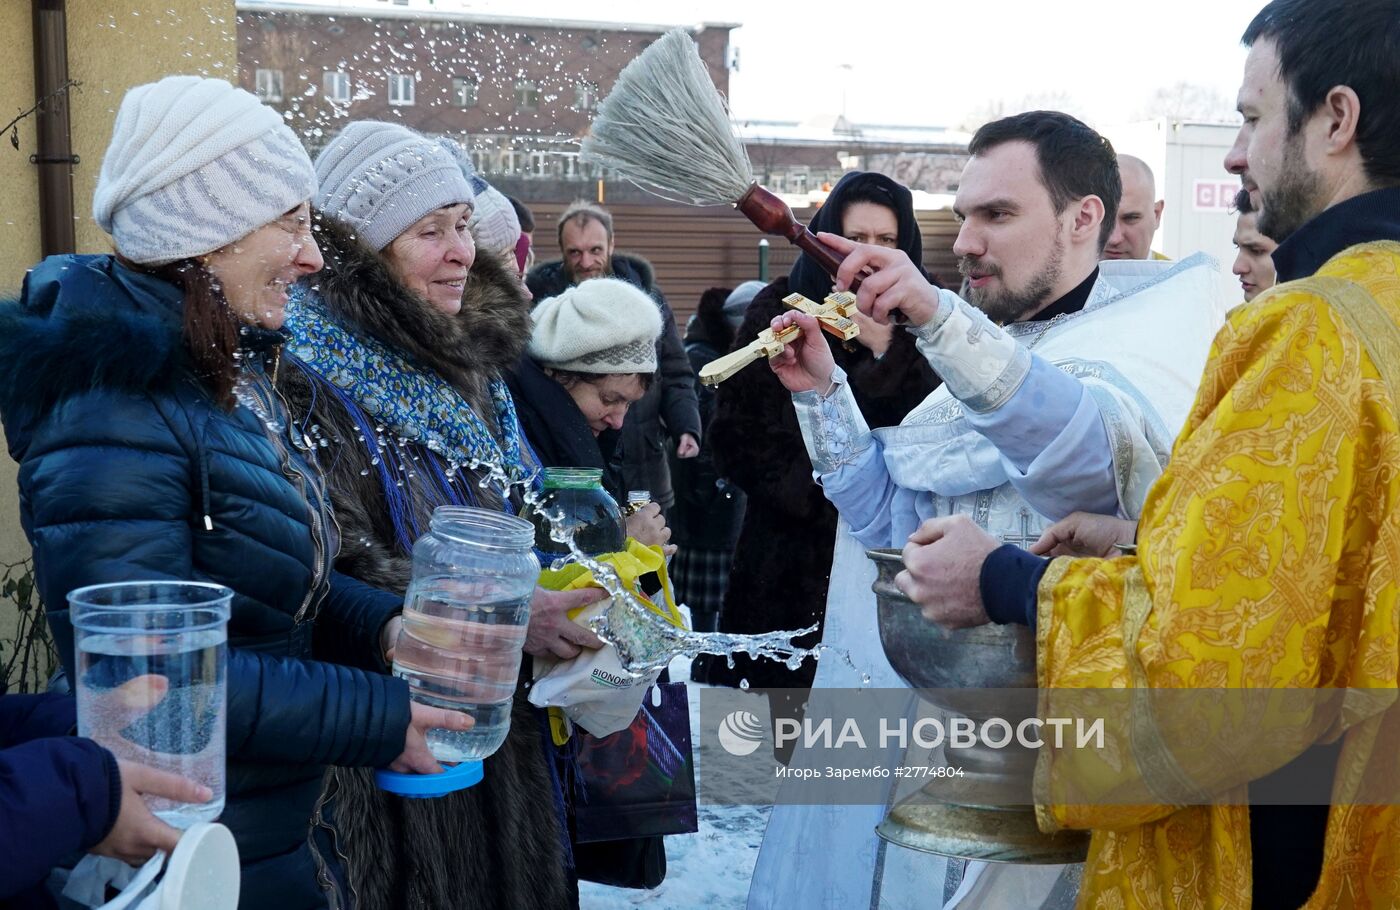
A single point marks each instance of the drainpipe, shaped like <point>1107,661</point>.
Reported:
<point>55,159</point>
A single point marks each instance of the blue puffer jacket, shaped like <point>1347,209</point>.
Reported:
<point>129,471</point>
<point>58,793</point>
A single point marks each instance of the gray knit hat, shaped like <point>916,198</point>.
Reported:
<point>493,223</point>
<point>378,178</point>
<point>738,302</point>
<point>195,164</point>
<point>604,325</point>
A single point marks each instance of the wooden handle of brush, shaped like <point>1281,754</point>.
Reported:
<point>825,256</point>
<point>771,215</point>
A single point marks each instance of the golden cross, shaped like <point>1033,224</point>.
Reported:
<point>833,314</point>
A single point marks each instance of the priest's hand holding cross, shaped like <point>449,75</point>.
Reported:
<point>942,571</point>
<point>806,364</point>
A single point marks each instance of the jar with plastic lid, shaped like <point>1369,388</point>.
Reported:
<point>464,623</point>
<point>588,511</point>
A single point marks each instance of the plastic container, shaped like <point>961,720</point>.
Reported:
<point>589,512</point>
<point>151,675</point>
<point>464,621</point>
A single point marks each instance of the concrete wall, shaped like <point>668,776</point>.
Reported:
<point>114,46</point>
<point>19,189</point>
<point>111,47</point>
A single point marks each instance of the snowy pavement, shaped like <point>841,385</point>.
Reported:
<point>710,868</point>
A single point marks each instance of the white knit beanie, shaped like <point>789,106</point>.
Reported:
<point>378,178</point>
<point>604,325</point>
<point>494,223</point>
<point>194,165</point>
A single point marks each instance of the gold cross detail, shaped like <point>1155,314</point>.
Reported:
<point>833,314</point>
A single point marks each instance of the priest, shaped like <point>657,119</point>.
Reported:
<point>1269,550</point>
<point>1064,380</point>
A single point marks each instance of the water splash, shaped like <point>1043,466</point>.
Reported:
<point>645,642</point>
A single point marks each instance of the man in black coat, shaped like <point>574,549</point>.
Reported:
<point>669,408</point>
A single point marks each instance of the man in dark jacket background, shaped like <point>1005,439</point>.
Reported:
<point>669,408</point>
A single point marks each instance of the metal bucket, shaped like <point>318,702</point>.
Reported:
<point>988,812</point>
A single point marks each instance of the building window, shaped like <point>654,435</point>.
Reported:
<point>269,85</point>
<point>585,96</point>
<point>527,96</point>
<point>336,86</point>
<point>400,89</point>
<point>464,91</point>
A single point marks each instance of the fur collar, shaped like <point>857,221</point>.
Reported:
<point>482,342</point>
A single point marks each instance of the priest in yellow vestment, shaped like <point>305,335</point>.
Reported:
<point>1268,553</point>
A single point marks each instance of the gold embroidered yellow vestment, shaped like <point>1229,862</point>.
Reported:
<point>1268,553</point>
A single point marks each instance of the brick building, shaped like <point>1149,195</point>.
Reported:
<point>515,90</point>
<point>519,91</point>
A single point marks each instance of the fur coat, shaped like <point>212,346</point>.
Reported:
<point>498,845</point>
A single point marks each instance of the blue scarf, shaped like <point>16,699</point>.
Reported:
<point>414,403</point>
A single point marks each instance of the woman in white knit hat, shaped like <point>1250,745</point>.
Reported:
<point>592,355</point>
<point>151,446</point>
<point>406,335</point>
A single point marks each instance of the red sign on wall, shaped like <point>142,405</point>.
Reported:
<point>1214,194</point>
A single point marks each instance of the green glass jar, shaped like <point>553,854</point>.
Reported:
<point>588,511</point>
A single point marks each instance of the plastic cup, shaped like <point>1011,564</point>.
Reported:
<point>152,661</point>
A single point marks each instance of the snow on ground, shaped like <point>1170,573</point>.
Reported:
<point>710,868</point>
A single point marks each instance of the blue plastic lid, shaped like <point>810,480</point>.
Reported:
<point>425,786</point>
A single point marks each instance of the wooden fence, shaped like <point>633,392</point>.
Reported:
<point>694,248</point>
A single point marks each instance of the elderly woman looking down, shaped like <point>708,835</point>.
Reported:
<point>592,355</point>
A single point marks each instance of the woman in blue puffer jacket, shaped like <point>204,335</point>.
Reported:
<point>135,395</point>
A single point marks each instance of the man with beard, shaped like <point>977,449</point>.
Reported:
<point>1268,551</point>
<point>1064,381</point>
<point>669,408</point>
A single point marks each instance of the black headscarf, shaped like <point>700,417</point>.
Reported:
<point>811,280</point>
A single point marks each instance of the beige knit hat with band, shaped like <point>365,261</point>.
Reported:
<point>604,325</point>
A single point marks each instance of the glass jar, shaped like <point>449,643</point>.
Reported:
<point>464,622</point>
<point>589,512</point>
